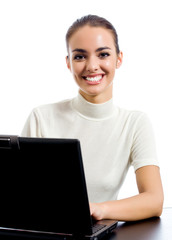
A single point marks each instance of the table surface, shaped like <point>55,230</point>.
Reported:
<point>149,229</point>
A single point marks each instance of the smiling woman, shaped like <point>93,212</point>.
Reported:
<point>93,56</point>
<point>92,60</point>
<point>112,138</point>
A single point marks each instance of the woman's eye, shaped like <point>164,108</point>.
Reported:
<point>104,55</point>
<point>79,57</point>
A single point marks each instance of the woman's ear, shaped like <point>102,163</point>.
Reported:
<point>119,60</point>
<point>68,62</point>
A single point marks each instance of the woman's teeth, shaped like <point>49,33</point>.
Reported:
<point>94,79</point>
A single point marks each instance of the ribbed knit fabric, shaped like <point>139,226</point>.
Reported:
<point>112,139</point>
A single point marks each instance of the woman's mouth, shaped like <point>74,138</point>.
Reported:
<point>93,79</point>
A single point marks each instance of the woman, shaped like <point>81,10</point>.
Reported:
<point>111,138</point>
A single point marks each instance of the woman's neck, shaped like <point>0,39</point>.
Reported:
<point>93,111</point>
<point>97,99</point>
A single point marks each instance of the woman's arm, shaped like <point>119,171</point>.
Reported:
<point>148,203</point>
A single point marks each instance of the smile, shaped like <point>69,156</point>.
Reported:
<point>92,79</point>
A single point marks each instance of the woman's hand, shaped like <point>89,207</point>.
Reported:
<point>97,210</point>
<point>148,203</point>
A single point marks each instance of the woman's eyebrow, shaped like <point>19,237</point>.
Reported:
<point>84,51</point>
<point>102,48</point>
<point>79,50</point>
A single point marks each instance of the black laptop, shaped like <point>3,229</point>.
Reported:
<point>43,190</point>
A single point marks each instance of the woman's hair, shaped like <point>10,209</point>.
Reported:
<point>92,21</point>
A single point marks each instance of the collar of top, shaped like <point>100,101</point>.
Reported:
<point>93,111</point>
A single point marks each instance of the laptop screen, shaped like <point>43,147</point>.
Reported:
<point>43,185</point>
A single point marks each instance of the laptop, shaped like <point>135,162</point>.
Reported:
<point>43,190</point>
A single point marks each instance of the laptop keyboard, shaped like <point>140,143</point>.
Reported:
<point>97,227</point>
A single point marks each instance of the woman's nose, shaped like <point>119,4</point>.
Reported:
<point>92,64</point>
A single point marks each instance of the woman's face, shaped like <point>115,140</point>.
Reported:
<point>93,60</point>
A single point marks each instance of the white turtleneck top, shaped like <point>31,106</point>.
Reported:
<point>112,139</point>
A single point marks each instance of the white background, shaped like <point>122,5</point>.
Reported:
<point>33,69</point>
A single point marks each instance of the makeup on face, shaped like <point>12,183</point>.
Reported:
<point>92,60</point>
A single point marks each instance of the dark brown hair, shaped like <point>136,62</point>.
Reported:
<point>92,21</point>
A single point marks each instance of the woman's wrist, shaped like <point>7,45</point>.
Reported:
<point>105,210</point>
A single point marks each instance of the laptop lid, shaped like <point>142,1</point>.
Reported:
<point>43,185</point>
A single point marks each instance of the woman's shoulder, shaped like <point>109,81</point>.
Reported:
<point>132,118</point>
<point>53,107</point>
<point>131,113</point>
